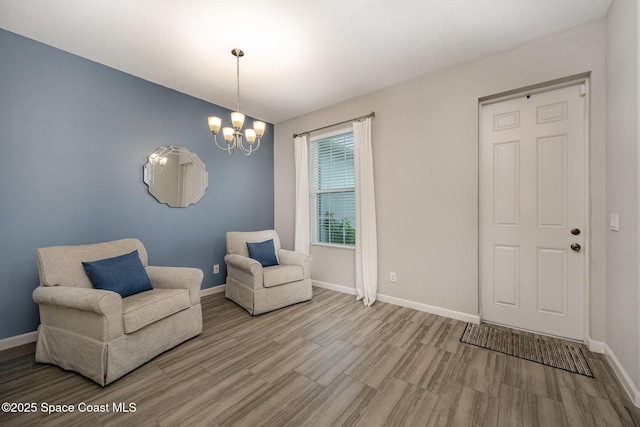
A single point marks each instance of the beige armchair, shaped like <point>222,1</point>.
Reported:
<point>261,289</point>
<point>100,334</point>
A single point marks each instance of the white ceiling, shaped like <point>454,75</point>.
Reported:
<point>300,55</point>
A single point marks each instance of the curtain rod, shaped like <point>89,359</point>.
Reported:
<point>366,116</point>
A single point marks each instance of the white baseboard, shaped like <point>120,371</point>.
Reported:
<point>29,337</point>
<point>15,341</point>
<point>213,290</point>
<point>444,312</point>
<point>465,317</point>
<point>595,346</point>
<point>624,378</point>
<point>332,287</point>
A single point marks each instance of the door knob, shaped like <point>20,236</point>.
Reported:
<point>576,247</point>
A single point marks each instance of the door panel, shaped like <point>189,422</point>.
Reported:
<point>507,277</point>
<point>552,181</point>
<point>552,281</point>
<point>533,174</point>
<point>507,187</point>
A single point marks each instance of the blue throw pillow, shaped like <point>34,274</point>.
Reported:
<point>123,274</point>
<point>263,252</point>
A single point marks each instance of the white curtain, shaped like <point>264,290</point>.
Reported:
<point>300,152</point>
<point>366,236</point>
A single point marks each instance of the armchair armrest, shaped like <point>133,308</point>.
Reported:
<point>177,278</point>
<point>296,258</point>
<point>95,313</point>
<point>248,265</point>
<point>98,301</point>
<point>244,269</point>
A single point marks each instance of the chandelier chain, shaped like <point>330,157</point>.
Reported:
<point>238,84</point>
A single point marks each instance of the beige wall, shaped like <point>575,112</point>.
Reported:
<point>622,185</point>
<point>425,148</point>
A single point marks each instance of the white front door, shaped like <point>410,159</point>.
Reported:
<point>533,204</point>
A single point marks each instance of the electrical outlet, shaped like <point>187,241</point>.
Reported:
<point>216,269</point>
<point>392,277</point>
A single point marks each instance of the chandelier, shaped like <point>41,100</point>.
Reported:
<point>233,135</point>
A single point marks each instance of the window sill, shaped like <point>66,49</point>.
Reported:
<point>334,246</point>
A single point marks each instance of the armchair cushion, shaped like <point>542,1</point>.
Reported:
<point>281,275</point>
<point>263,252</point>
<point>145,308</point>
<point>123,274</point>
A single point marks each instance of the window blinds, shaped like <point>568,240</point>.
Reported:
<point>332,195</point>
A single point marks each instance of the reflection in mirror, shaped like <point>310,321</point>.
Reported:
<point>175,176</point>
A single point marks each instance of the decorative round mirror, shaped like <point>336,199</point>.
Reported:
<point>175,176</point>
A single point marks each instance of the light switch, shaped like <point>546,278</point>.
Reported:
<point>613,222</point>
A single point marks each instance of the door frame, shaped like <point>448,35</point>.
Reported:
<point>538,88</point>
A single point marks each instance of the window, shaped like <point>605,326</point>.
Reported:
<point>332,208</point>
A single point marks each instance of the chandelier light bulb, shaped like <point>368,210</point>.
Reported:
<point>250,134</point>
<point>259,128</point>
<point>228,134</point>
<point>237,120</point>
<point>214,124</point>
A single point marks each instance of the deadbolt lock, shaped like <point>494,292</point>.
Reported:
<point>575,231</point>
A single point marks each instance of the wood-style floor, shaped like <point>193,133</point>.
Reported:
<point>328,362</point>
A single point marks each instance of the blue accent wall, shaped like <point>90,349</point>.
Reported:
<point>74,136</point>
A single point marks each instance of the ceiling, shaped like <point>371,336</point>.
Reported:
<point>300,55</point>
